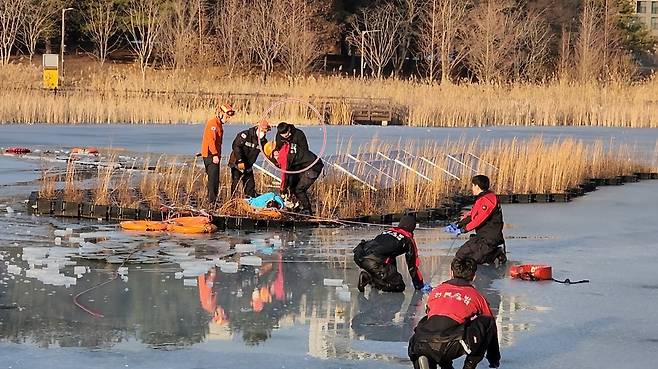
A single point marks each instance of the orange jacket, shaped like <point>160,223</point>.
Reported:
<point>213,135</point>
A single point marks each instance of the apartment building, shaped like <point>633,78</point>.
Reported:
<point>647,11</point>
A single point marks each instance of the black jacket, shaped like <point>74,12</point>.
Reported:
<point>246,148</point>
<point>300,155</point>
<point>390,244</point>
<point>487,218</point>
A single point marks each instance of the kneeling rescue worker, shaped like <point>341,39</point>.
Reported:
<point>486,219</point>
<point>294,155</point>
<point>245,150</point>
<point>458,322</point>
<point>211,147</point>
<point>377,259</point>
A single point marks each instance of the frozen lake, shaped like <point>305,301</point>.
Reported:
<point>282,315</point>
<point>185,139</point>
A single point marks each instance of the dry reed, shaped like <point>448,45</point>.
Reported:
<point>190,96</point>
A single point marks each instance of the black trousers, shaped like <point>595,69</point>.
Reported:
<point>441,348</point>
<point>212,170</point>
<point>302,183</point>
<point>383,276</point>
<point>479,249</point>
<point>247,179</point>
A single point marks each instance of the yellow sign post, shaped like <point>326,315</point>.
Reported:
<point>50,71</point>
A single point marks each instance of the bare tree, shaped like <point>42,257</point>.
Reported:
<point>37,22</point>
<point>301,41</point>
<point>589,44</point>
<point>442,27</point>
<point>12,14</point>
<point>144,24</point>
<point>492,36</point>
<point>181,33</point>
<point>101,24</point>
<point>230,25</point>
<point>408,32</point>
<point>382,25</point>
<point>534,41</point>
<point>265,35</point>
<point>564,68</point>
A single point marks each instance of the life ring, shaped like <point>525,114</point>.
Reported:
<point>531,272</point>
<point>192,228</point>
<point>189,221</point>
<point>18,150</point>
<point>143,225</point>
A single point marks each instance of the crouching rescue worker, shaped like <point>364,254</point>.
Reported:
<point>245,150</point>
<point>486,219</point>
<point>458,322</point>
<point>293,154</point>
<point>377,259</point>
<point>211,147</point>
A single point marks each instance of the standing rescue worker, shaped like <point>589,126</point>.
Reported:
<point>211,147</point>
<point>245,150</point>
<point>486,219</point>
<point>294,155</point>
<point>458,322</point>
<point>377,259</point>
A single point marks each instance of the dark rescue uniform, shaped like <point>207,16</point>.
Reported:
<point>486,218</point>
<point>458,322</point>
<point>300,157</point>
<point>377,258</point>
<point>245,149</point>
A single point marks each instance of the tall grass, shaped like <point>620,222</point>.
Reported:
<point>118,94</point>
<point>533,166</point>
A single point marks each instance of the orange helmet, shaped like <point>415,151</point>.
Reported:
<point>227,109</point>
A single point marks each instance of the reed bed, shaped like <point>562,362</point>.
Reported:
<point>117,94</point>
<point>534,166</point>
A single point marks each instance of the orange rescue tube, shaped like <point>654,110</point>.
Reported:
<point>191,228</point>
<point>189,221</point>
<point>143,225</point>
<point>531,272</point>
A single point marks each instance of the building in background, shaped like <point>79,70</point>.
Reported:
<point>647,11</point>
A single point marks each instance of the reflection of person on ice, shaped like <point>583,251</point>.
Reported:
<point>377,258</point>
<point>211,148</point>
<point>486,219</point>
<point>458,322</point>
<point>294,154</point>
<point>246,148</point>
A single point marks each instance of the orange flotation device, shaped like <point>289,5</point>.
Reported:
<point>532,272</point>
<point>143,225</point>
<point>191,228</point>
<point>84,151</point>
<point>189,221</point>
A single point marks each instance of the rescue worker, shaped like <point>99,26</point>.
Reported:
<point>458,322</point>
<point>245,150</point>
<point>486,219</point>
<point>297,156</point>
<point>377,259</point>
<point>211,147</point>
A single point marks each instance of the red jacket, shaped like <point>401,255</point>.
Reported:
<point>213,134</point>
<point>458,300</point>
<point>486,218</point>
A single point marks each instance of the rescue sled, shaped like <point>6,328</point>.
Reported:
<point>143,225</point>
<point>18,150</point>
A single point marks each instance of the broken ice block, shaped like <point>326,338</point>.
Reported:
<point>178,275</point>
<point>344,296</point>
<point>333,282</point>
<point>251,260</point>
<point>245,247</point>
<point>190,282</point>
<point>58,241</point>
<point>60,232</point>
<point>79,270</point>
<point>229,267</point>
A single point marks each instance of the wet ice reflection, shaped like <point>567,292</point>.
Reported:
<point>234,287</point>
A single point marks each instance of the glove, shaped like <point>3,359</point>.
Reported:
<point>215,159</point>
<point>427,288</point>
<point>453,229</point>
<point>241,166</point>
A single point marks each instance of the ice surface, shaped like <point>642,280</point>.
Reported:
<point>251,260</point>
<point>333,282</point>
<point>244,248</point>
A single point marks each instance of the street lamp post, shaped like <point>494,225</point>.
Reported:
<point>61,48</point>
<point>363,47</point>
